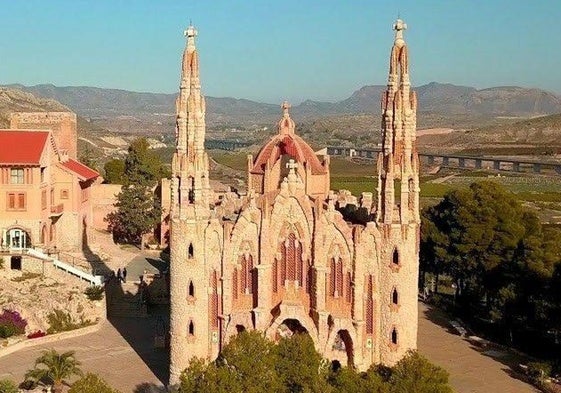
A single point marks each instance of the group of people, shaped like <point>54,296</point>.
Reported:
<point>122,274</point>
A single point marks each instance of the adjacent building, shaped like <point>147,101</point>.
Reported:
<point>283,258</point>
<point>45,199</point>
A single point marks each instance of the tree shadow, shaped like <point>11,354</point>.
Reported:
<point>503,355</point>
<point>133,317</point>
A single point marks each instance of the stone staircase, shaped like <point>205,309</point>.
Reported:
<point>124,300</point>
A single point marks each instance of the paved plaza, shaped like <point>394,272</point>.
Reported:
<point>471,371</point>
<point>122,352</point>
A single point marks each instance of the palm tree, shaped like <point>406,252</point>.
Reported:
<point>53,368</point>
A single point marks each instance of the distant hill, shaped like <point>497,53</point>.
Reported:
<point>529,136</point>
<point>13,100</point>
<point>434,97</point>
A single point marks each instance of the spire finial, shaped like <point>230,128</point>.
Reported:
<point>285,107</point>
<point>191,31</point>
<point>399,26</point>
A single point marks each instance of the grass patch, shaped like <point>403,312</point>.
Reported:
<point>237,161</point>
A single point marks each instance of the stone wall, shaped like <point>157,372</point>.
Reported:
<point>103,197</point>
<point>63,125</point>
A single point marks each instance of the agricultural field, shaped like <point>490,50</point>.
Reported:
<point>543,193</point>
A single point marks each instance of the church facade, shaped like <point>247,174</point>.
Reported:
<point>283,259</point>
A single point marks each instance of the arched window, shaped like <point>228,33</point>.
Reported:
<point>349,292</point>
<point>214,300</point>
<point>339,280</point>
<point>332,276</point>
<point>395,259</point>
<point>191,289</point>
<point>395,296</point>
<point>369,304</point>
<point>235,283</point>
<point>275,275</point>
<point>394,336</point>
<point>191,329</point>
<point>190,251</point>
<point>247,273</point>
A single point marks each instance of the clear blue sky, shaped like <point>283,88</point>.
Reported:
<point>277,49</point>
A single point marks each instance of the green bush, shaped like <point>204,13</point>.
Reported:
<point>8,386</point>
<point>61,321</point>
<point>538,371</point>
<point>95,292</point>
<point>91,383</point>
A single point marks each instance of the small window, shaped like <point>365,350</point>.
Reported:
<point>191,289</point>
<point>16,201</point>
<point>63,194</point>
<point>395,257</point>
<point>16,176</point>
<point>191,328</point>
<point>394,336</point>
<point>44,199</point>
<point>43,170</point>
<point>395,296</point>
<point>191,251</point>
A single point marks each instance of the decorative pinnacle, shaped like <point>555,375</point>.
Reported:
<point>285,107</point>
<point>399,26</point>
<point>190,32</point>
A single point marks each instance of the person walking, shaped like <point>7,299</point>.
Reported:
<point>124,274</point>
<point>119,277</point>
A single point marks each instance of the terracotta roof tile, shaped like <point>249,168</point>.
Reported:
<point>22,146</point>
<point>84,173</point>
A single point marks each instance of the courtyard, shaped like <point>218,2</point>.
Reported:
<point>122,352</point>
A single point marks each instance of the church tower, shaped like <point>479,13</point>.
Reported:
<point>189,215</point>
<point>397,214</point>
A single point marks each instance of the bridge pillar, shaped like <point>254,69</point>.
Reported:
<point>478,164</point>
<point>537,168</point>
<point>497,165</point>
<point>516,166</point>
<point>462,162</point>
<point>445,161</point>
<point>431,159</point>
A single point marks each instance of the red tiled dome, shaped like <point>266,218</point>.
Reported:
<point>292,145</point>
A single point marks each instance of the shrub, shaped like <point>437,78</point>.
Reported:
<point>8,386</point>
<point>61,321</point>
<point>538,371</point>
<point>95,292</point>
<point>1,262</point>
<point>11,324</point>
<point>91,383</point>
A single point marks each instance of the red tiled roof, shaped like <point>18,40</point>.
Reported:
<point>292,145</point>
<point>22,146</point>
<point>84,173</point>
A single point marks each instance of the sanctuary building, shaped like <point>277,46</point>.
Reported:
<point>283,259</point>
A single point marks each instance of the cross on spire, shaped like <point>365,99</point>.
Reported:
<point>399,26</point>
<point>285,107</point>
<point>190,32</point>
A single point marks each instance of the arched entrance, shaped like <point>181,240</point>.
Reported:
<point>343,344</point>
<point>289,327</point>
<point>17,238</point>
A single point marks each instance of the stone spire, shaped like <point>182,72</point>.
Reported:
<point>190,184</point>
<point>286,124</point>
<point>398,159</point>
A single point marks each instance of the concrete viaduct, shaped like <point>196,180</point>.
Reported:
<point>458,160</point>
<point>447,160</point>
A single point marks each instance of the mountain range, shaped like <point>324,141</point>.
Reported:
<point>446,99</point>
